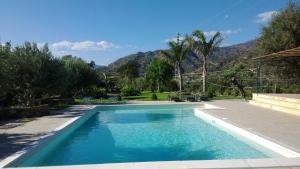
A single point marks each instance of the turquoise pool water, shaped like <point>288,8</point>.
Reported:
<point>141,133</point>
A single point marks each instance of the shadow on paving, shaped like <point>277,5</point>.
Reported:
<point>12,143</point>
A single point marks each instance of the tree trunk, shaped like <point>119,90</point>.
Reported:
<point>180,78</point>
<point>240,87</point>
<point>158,87</point>
<point>204,89</point>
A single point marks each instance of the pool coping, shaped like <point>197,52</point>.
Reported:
<point>40,140</point>
<point>240,163</point>
<point>223,125</point>
<point>194,164</point>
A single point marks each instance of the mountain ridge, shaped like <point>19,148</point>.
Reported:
<point>191,63</point>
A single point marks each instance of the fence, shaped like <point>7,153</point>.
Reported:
<point>251,84</point>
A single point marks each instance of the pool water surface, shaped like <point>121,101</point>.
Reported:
<point>131,133</point>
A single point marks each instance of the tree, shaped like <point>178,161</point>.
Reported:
<point>35,73</point>
<point>80,76</point>
<point>176,55</point>
<point>159,72</point>
<point>235,75</point>
<point>282,33</point>
<point>5,72</point>
<point>129,73</point>
<point>129,70</point>
<point>92,64</point>
<point>204,49</point>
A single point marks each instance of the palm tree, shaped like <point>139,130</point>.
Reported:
<point>203,49</point>
<point>176,55</point>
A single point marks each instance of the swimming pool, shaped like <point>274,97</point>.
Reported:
<point>139,133</point>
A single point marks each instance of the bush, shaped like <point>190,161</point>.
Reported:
<point>211,92</point>
<point>175,99</point>
<point>24,112</point>
<point>119,98</point>
<point>129,90</point>
<point>228,92</point>
<point>100,93</point>
<point>236,92</point>
<point>171,86</point>
<point>154,97</point>
<point>190,99</point>
<point>204,98</point>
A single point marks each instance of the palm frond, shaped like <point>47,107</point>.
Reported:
<point>215,40</point>
<point>200,36</point>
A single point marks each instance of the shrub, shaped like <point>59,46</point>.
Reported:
<point>154,97</point>
<point>129,90</point>
<point>175,99</point>
<point>236,92</point>
<point>228,92</point>
<point>100,93</point>
<point>119,97</point>
<point>204,98</point>
<point>211,92</point>
<point>24,112</point>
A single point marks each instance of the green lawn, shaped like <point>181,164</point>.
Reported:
<point>226,97</point>
<point>78,101</point>
<point>147,96</point>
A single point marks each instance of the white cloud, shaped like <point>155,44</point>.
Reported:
<point>210,33</point>
<point>223,32</point>
<point>174,39</point>
<point>265,16</point>
<point>225,44</point>
<point>82,46</point>
<point>40,45</point>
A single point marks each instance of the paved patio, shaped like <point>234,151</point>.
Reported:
<point>279,127</point>
<point>16,135</point>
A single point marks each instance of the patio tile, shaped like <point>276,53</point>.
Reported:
<point>216,164</point>
<point>146,165</point>
<point>267,163</point>
<point>172,165</point>
<point>288,161</point>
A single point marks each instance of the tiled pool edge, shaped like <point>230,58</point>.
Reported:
<point>195,164</point>
<point>46,138</point>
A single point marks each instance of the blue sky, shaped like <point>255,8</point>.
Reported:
<point>105,30</point>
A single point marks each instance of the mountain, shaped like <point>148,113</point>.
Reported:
<point>102,68</point>
<point>191,63</point>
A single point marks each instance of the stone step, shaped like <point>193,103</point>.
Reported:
<point>275,107</point>
<point>292,98</point>
<point>278,102</point>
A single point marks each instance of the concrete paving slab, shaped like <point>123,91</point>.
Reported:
<point>14,139</point>
<point>278,127</point>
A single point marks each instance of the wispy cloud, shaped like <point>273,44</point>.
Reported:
<point>265,16</point>
<point>174,39</point>
<point>223,32</point>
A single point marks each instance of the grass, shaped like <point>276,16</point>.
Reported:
<point>226,97</point>
<point>147,96</point>
<point>59,106</point>
<point>78,101</point>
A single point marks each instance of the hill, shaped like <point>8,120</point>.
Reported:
<point>192,63</point>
